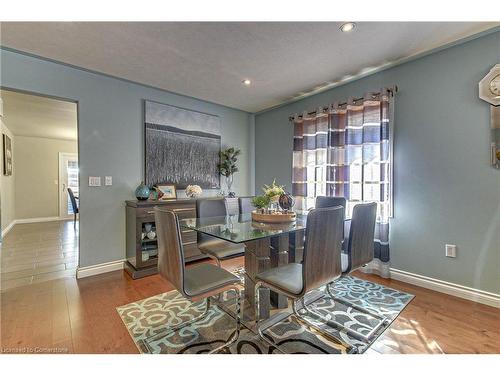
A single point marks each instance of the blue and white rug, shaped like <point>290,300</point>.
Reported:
<point>148,320</point>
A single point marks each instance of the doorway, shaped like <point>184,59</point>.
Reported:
<point>40,236</point>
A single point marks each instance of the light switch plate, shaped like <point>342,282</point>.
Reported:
<point>94,181</point>
<point>108,180</point>
<point>451,250</point>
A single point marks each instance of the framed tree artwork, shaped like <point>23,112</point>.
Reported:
<point>181,146</point>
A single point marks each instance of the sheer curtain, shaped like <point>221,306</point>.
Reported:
<point>346,151</point>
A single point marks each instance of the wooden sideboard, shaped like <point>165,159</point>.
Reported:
<point>140,215</point>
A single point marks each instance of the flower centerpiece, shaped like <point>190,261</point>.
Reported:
<point>193,191</point>
<point>267,207</point>
<point>273,191</point>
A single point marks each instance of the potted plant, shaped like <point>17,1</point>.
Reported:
<point>227,166</point>
<point>261,202</point>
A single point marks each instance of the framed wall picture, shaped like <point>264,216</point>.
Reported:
<point>167,191</point>
<point>181,146</point>
<point>7,155</point>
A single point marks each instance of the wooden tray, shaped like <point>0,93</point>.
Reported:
<point>274,218</point>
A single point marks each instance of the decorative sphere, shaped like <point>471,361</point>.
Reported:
<point>286,201</point>
<point>142,192</point>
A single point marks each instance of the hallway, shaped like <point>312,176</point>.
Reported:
<point>37,252</point>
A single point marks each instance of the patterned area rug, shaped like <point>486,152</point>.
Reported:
<point>148,320</point>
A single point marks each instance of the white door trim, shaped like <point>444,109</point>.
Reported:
<point>59,186</point>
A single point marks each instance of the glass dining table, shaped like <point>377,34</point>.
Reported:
<point>267,245</point>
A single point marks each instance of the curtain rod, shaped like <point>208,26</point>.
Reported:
<point>391,90</point>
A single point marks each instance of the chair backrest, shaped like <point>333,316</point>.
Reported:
<point>170,250</point>
<point>246,205</point>
<point>322,247</point>
<point>209,208</point>
<point>361,235</point>
<point>322,202</point>
<point>73,200</point>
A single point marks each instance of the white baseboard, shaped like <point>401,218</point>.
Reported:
<point>456,290</point>
<point>32,220</point>
<point>97,269</point>
<point>8,227</point>
<point>39,220</point>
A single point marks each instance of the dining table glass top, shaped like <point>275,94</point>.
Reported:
<point>241,228</point>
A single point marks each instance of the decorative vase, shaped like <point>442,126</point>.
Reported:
<point>229,183</point>
<point>142,192</point>
<point>286,201</point>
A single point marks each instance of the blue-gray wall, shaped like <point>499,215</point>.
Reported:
<point>110,131</point>
<point>445,191</point>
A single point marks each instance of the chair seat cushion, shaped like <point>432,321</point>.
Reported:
<point>287,278</point>
<point>220,248</point>
<point>344,261</point>
<point>203,278</point>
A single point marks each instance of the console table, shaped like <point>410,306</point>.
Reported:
<point>140,216</point>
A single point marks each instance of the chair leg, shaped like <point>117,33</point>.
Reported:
<point>232,339</point>
<point>236,335</point>
<point>383,321</point>
<point>257,319</point>
<point>74,221</point>
<point>349,348</point>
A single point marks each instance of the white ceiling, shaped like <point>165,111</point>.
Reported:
<point>209,60</point>
<point>37,116</point>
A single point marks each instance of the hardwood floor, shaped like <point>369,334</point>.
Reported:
<point>79,316</point>
<point>37,252</point>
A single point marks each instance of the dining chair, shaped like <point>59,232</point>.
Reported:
<point>213,247</point>
<point>359,253</point>
<point>321,265</point>
<point>245,204</point>
<point>74,204</point>
<point>322,202</point>
<point>196,282</point>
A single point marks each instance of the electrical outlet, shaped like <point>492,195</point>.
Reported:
<point>94,181</point>
<point>108,180</point>
<point>450,250</point>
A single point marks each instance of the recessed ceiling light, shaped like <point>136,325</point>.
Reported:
<point>246,82</point>
<point>348,26</point>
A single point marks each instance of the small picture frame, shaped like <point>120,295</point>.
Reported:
<point>7,155</point>
<point>168,192</point>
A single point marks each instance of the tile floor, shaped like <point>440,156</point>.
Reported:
<point>38,252</point>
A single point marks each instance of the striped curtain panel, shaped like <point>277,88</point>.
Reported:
<point>346,152</point>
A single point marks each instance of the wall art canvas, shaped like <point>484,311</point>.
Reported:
<point>7,155</point>
<point>181,146</point>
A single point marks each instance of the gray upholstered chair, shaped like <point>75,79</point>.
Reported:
<point>214,247</point>
<point>321,265</point>
<point>194,283</point>
<point>323,202</point>
<point>246,205</point>
<point>359,253</point>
